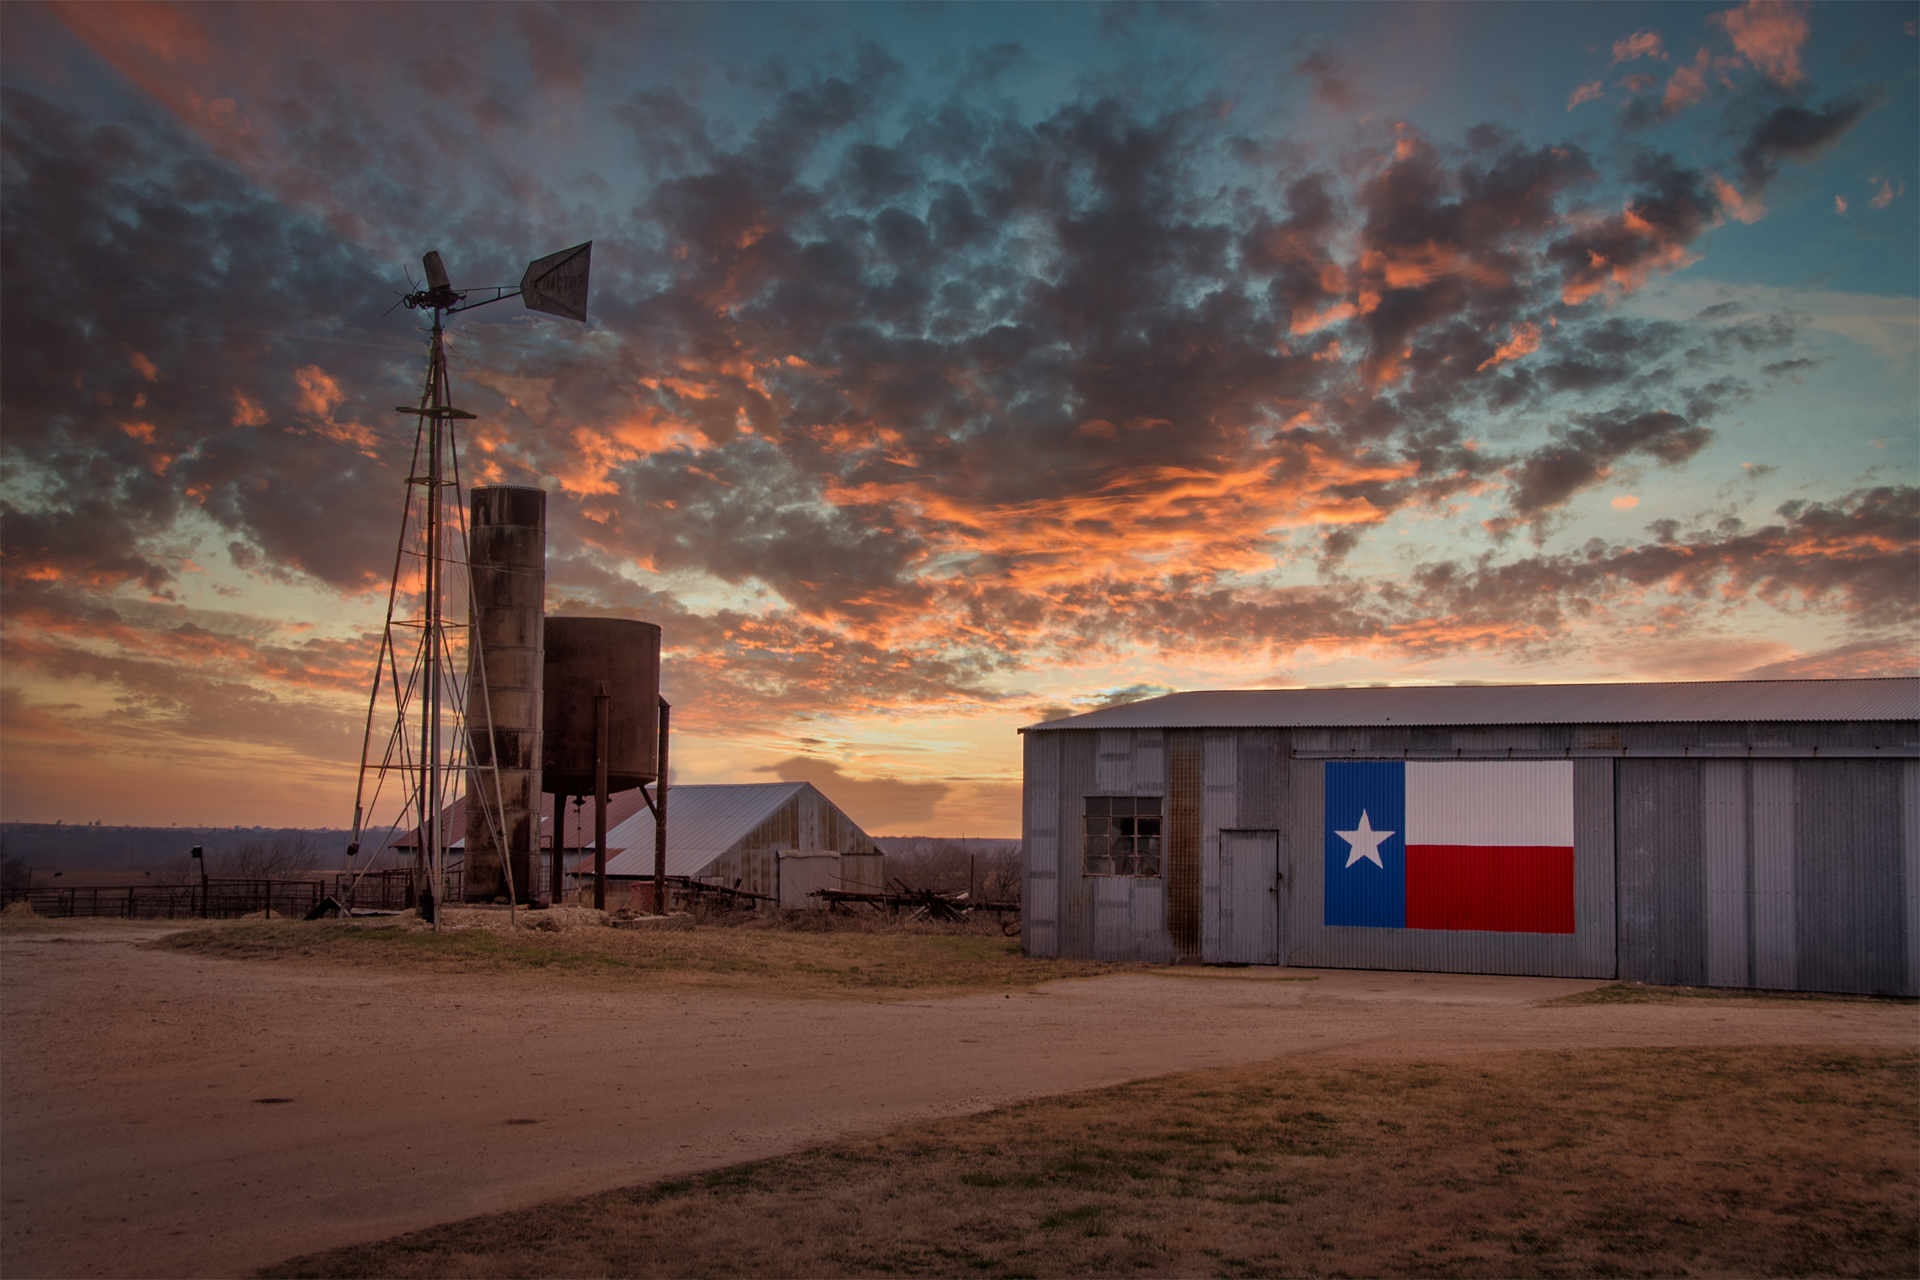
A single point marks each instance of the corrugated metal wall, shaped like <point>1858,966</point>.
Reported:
<point>1790,873</point>
<point>1184,841</point>
<point>1783,874</point>
<point>1040,840</point>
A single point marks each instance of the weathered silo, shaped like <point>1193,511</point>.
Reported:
<point>596,667</point>
<point>508,540</point>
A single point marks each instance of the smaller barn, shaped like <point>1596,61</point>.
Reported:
<point>782,840</point>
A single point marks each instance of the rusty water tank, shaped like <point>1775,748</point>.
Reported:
<point>580,654</point>
<point>507,542</point>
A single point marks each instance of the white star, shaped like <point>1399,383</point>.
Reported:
<point>1365,842</point>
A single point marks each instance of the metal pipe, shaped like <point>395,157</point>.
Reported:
<point>660,817</point>
<point>602,713</point>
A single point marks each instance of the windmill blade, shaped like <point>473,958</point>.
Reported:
<point>557,283</point>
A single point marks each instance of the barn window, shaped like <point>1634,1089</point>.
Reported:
<point>1122,836</point>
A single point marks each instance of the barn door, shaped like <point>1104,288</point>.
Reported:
<point>1247,930</point>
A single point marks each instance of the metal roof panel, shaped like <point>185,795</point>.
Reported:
<point>1883,698</point>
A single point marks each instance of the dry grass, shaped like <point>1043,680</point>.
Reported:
<point>1641,993</point>
<point>876,962</point>
<point>1760,1161</point>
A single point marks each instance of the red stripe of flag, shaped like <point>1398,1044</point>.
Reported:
<point>1498,888</point>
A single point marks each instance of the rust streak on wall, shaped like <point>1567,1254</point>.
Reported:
<point>1183,841</point>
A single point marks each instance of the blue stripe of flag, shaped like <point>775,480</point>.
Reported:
<point>1363,894</point>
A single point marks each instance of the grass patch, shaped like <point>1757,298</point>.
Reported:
<point>904,962</point>
<point>1750,1161</point>
<point>1643,993</point>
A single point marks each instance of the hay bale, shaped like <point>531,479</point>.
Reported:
<point>21,910</point>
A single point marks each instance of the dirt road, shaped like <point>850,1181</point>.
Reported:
<point>167,1115</point>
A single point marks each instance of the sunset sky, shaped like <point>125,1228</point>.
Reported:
<point>949,367</point>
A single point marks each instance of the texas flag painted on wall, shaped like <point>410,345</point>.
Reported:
<point>1484,845</point>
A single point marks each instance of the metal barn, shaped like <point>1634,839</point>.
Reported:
<point>781,839</point>
<point>1759,834</point>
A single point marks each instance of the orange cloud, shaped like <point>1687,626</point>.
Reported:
<point>1523,339</point>
<point>1745,209</point>
<point>1585,93</point>
<point>319,393</point>
<point>1688,85</point>
<point>1769,34</point>
<point>1887,193</point>
<point>144,367</point>
<point>1641,44</point>
<point>1409,267</point>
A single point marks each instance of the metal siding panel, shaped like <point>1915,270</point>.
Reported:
<point>1221,773</point>
<point>1257,763</point>
<point>1662,880</point>
<point>1776,964</point>
<point>1723,787</point>
<point>1112,909</point>
<point>1151,941</point>
<point>1595,875</point>
<point>1910,851</point>
<point>1040,890</point>
<point>1149,763</point>
<point>1849,918</point>
<point>1182,867</point>
<point>1113,766</point>
<point>1078,755</point>
<point>1305,865</point>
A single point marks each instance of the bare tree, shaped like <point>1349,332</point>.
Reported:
<point>13,872</point>
<point>991,870</point>
<point>277,858</point>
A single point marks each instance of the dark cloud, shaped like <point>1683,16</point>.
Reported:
<point>1794,132</point>
<point>1857,557</point>
<point>161,328</point>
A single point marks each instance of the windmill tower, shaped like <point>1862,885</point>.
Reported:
<point>421,702</point>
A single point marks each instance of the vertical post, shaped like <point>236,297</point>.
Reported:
<point>429,855</point>
<point>660,817</point>
<point>199,856</point>
<point>602,714</point>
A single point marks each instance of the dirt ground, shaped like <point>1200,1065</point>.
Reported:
<point>166,1114</point>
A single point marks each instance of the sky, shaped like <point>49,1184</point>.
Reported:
<point>949,368</point>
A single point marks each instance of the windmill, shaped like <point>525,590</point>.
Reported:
<point>427,746</point>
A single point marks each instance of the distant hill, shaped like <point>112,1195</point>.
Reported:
<point>49,847</point>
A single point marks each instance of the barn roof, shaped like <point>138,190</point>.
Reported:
<point>703,822</point>
<point>1886,698</point>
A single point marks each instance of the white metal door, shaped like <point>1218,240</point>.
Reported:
<point>1248,903</point>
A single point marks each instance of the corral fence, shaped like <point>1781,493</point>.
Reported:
<point>225,898</point>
